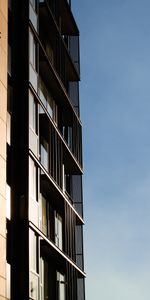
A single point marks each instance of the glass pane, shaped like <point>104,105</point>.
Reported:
<point>32,179</point>
<point>61,286</point>
<point>55,113</point>
<point>33,292</point>
<point>44,282</point>
<point>44,154</point>
<point>44,216</point>
<point>43,92</point>
<point>33,2</point>
<point>32,112</point>
<point>32,250</point>
<point>80,288</point>
<point>50,53</point>
<point>50,105</point>
<point>58,231</point>
<point>32,50</point>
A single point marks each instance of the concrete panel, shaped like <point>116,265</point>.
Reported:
<point>3,67</point>
<point>2,298</point>
<point>2,177</point>
<point>2,256</point>
<point>2,216</point>
<point>3,30</point>
<point>3,8</point>
<point>2,139</point>
<point>3,102</point>
<point>2,286</point>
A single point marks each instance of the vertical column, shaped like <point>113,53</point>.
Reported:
<point>3,113</point>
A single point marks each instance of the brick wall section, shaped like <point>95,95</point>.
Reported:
<point>3,112</point>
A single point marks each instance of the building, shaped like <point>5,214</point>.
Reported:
<point>41,202</point>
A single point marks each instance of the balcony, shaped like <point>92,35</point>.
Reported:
<point>65,48</point>
<point>62,15</point>
<point>51,190</point>
<point>65,155</point>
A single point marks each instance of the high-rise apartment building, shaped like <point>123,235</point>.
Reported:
<point>41,202</point>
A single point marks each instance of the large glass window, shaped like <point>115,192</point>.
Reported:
<point>32,50</point>
<point>58,231</point>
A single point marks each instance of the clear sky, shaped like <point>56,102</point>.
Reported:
<point>115,109</point>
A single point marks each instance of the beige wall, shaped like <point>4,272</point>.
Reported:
<point>3,110</point>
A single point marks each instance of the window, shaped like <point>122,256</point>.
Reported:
<point>58,231</point>
<point>67,183</point>
<point>44,153</point>
<point>48,102</point>
<point>32,112</point>
<point>43,92</point>
<point>33,263</point>
<point>80,289</point>
<point>50,53</point>
<point>61,286</point>
<point>67,134</point>
<point>79,245</point>
<point>44,216</point>
<point>32,50</point>
<point>44,282</point>
<point>33,251</point>
<point>33,3</point>
<point>32,179</point>
<point>33,17</point>
<point>50,105</point>
<point>55,113</point>
<point>33,125</point>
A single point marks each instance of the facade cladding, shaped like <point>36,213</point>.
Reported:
<point>41,202</point>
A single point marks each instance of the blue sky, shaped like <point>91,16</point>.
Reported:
<point>115,108</point>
